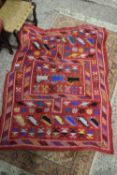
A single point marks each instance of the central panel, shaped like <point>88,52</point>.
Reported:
<point>66,78</point>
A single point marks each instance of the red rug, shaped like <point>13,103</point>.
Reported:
<point>56,95</point>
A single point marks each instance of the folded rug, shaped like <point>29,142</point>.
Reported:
<point>56,95</point>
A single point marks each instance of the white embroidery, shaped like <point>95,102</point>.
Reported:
<point>40,78</point>
<point>32,120</point>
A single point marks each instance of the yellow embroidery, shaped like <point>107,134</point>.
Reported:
<point>59,88</point>
<point>44,89</point>
<point>89,111</point>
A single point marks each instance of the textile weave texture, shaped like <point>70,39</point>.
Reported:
<point>56,95</point>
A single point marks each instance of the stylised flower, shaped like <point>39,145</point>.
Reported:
<point>89,111</point>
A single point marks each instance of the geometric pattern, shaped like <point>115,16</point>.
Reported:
<point>56,95</point>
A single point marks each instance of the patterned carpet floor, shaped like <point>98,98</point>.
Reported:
<point>59,163</point>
